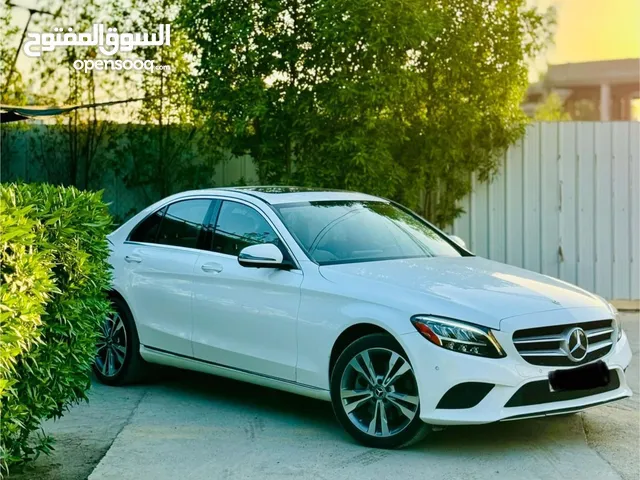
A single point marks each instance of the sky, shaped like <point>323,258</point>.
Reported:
<point>595,30</point>
<point>587,30</point>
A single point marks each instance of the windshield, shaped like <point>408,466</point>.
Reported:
<point>335,232</point>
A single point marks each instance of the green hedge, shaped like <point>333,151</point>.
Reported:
<point>54,252</point>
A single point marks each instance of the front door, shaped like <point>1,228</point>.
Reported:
<point>244,318</point>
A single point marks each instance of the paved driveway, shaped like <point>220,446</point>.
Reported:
<point>192,426</point>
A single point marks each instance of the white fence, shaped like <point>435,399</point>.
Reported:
<point>565,203</point>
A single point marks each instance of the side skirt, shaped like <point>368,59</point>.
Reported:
<point>155,355</point>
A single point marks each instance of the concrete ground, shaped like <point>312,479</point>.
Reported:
<point>192,426</point>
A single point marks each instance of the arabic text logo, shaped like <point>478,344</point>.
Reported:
<point>108,41</point>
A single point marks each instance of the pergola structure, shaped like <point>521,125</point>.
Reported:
<point>16,113</point>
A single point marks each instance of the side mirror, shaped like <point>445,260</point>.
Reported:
<point>263,255</point>
<point>458,240</point>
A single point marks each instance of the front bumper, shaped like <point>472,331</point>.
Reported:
<point>438,370</point>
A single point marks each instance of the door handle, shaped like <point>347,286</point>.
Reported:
<point>132,259</point>
<point>211,267</point>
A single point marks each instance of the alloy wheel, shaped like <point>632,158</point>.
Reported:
<point>378,392</point>
<point>112,346</point>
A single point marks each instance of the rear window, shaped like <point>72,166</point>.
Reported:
<point>180,224</point>
<point>147,230</point>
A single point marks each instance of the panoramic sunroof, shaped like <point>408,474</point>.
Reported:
<point>284,189</point>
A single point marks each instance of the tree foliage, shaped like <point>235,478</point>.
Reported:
<point>162,151</point>
<point>551,110</point>
<point>11,83</point>
<point>395,98</point>
<point>52,291</point>
<point>53,80</point>
<point>153,146</point>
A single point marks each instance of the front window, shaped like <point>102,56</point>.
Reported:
<point>239,226</point>
<point>335,232</point>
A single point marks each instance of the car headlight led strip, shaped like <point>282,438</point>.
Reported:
<point>458,336</point>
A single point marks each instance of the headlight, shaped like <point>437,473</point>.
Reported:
<point>458,336</point>
<point>616,321</point>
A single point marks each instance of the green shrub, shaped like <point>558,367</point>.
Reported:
<point>52,291</point>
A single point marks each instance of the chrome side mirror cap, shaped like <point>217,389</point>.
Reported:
<point>456,239</point>
<point>263,255</point>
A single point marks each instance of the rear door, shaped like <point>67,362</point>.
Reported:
<point>159,259</point>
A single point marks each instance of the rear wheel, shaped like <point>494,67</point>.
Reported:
<point>375,394</point>
<point>118,360</point>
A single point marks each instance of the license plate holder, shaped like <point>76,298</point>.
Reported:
<point>585,377</point>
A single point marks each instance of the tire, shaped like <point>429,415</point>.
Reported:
<point>123,342</point>
<point>361,405</point>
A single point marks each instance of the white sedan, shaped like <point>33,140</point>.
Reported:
<point>356,300</point>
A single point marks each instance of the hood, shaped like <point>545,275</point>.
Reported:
<point>468,288</point>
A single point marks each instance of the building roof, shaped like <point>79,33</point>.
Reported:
<point>612,72</point>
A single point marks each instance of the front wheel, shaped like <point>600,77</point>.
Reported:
<point>375,394</point>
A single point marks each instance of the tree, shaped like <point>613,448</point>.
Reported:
<point>12,88</point>
<point>395,98</point>
<point>76,160</point>
<point>157,149</point>
<point>551,110</point>
<point>159,153</point>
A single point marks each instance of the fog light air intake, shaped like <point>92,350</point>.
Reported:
<point>465,395</point>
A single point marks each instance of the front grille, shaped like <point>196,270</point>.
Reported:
<point>535,393</point>
<point>545,345</point>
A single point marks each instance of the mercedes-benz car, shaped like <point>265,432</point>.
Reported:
<point>355,300</point>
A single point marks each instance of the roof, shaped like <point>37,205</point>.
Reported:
<point>277,195</point>
<point>612,72</point>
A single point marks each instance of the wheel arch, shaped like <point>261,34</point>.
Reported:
<point>350,335</point>
<point>114,294</point>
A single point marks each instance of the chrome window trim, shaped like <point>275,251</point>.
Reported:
<point>222,198</point>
